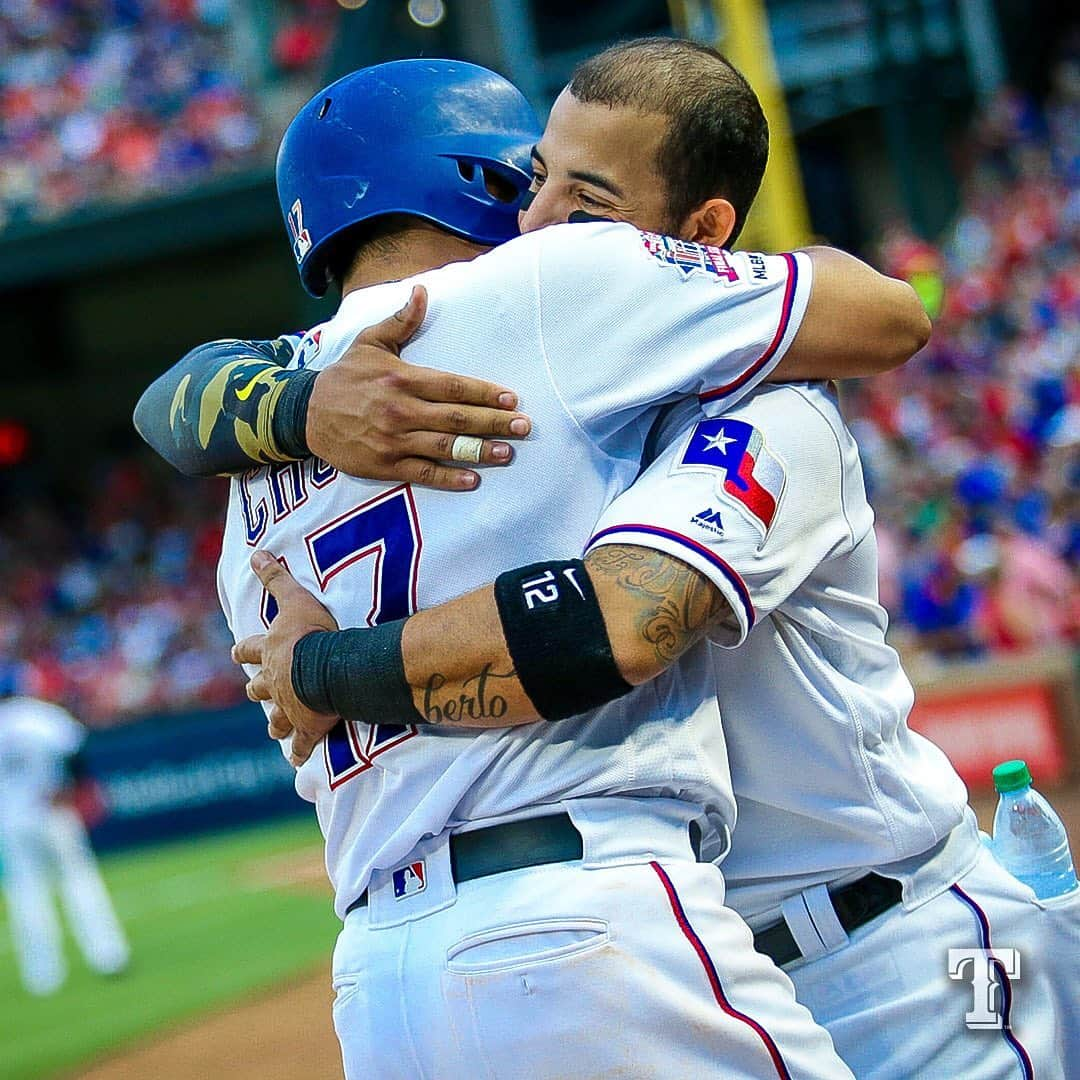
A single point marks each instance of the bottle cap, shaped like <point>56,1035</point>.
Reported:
<point>1011,776</point>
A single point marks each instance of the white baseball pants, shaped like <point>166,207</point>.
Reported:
<point>895,1014</point>
<point>626,964</point>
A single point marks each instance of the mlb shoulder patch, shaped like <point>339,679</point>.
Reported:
<point>308,349</point>
<point>688,257</point>
<point>752,477</point>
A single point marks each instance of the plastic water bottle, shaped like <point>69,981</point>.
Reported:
<point>1029,839</point>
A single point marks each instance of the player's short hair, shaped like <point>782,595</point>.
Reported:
<point>717,142</point>
<point>376,237</point>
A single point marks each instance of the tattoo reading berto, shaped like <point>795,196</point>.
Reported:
<point>476,701</point>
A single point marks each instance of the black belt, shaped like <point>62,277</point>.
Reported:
<point>855,905</point>
<point>512,846</point>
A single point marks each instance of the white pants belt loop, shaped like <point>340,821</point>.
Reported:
<point>618,830</point>
<point>812,920</point>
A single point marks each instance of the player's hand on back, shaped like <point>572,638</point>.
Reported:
<point>374,415</point>
<point>299,613</point>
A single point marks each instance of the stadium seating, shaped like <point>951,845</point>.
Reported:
<point>112,608</point>
<point>973,450</point>
<point>118,100</point>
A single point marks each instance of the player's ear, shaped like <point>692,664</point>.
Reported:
<point>711,223</point>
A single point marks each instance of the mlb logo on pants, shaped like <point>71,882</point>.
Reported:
<point>409,880</point>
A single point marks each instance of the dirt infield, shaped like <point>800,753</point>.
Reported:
<point>288,1035</point>
<point>283,1034</point>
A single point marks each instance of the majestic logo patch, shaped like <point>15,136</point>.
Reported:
<point>301,237</point>
<point>688,257</point>
<point>753,477</point>
<point>709,518</point>
<point>410,880</point>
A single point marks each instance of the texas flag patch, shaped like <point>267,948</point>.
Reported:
<point>409,880</point>
<point>753,477</point>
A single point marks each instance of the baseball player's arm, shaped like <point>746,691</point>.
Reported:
<point>755,500</point>
<point>232,405</point>
<point>858,322</point>
<point>665,319</point>
<point>455,666</point>
<point>654,608</point>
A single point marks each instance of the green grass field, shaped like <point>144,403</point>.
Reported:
<point>208,923</point>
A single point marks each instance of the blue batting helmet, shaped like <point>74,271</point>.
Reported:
<point>408,137</point>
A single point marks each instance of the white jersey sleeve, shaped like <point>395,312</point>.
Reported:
<point>630,318</point>
<point>753,499</point>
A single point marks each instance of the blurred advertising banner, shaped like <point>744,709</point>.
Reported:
<point>176,775</point>
<point>1018,707</point>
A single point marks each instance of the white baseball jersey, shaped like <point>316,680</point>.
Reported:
<point>36,741</point>
<point>593,325</point>
<point>768,501</point>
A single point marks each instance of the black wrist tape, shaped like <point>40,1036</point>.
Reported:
<point>288,425</point>
<point>355,674</point>
<point>557,639</point>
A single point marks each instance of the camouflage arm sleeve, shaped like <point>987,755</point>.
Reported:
<point>227,406</point>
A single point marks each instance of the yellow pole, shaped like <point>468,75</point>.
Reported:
<point>780,219</point>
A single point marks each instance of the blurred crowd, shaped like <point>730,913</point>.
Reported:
<point>973,450</point>
<point>114,100</point>
<point>111,608</point>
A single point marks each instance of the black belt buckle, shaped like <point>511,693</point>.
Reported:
<point>855,904</point>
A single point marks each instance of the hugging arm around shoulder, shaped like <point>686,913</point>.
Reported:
<point>858,322</point>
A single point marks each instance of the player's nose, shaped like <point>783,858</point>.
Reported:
<point>542,208</point>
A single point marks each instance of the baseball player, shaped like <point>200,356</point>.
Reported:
<point>44,848</point>
<point>855,857</point>
<point>390,823</point>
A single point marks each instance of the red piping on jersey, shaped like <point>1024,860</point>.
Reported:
<point>781,330</point>
<point>714,979</point>
<point>730,573</point>
<point>1015,1044</point>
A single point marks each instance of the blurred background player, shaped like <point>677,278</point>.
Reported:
<point>45,849</point>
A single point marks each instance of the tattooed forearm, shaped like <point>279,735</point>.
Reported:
<point>465,701</point>
<point>672,605</point>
